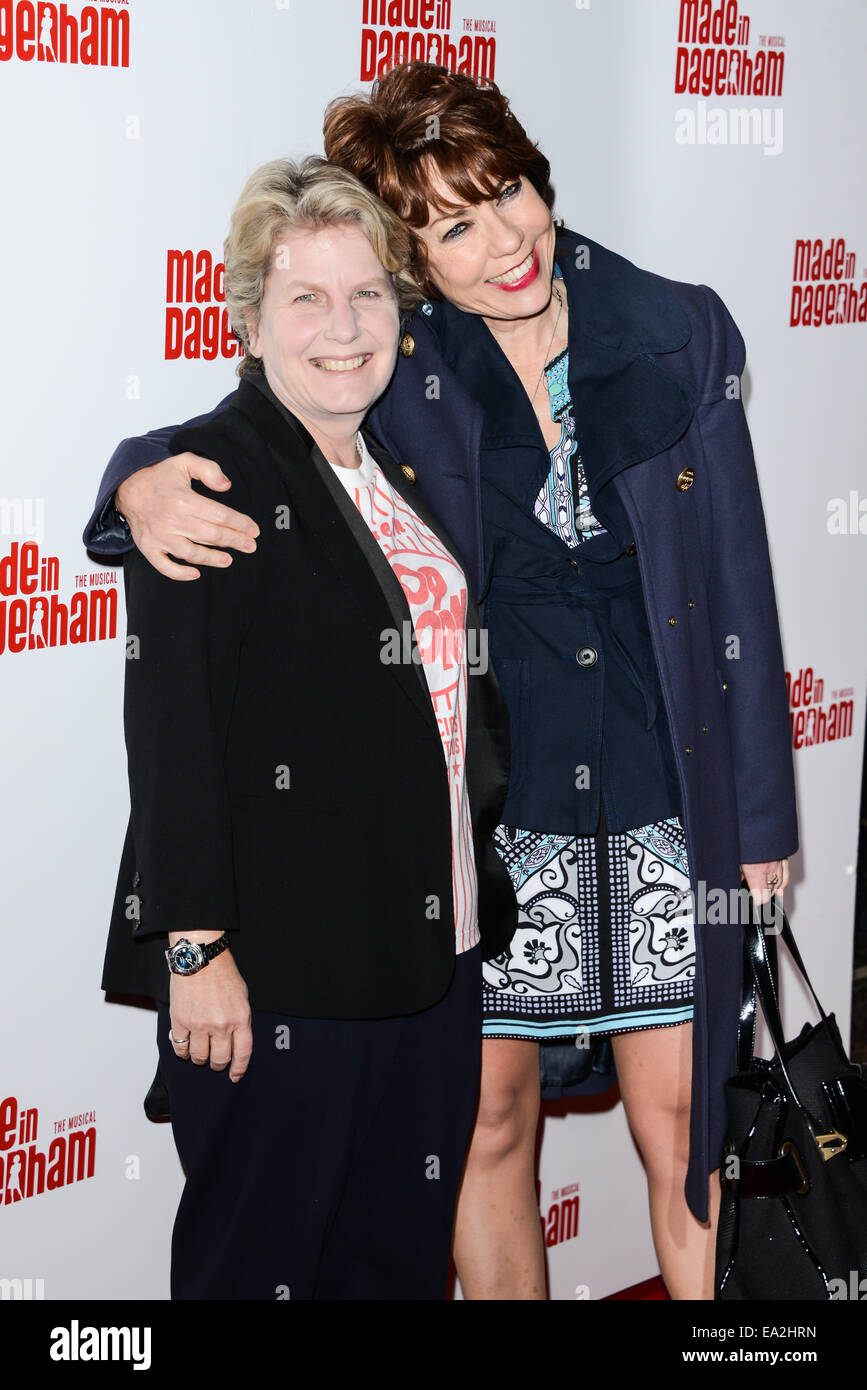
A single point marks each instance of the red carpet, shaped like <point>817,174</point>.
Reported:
<point>650,1288</point>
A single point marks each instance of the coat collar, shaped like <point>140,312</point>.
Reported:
<point>627,406</point>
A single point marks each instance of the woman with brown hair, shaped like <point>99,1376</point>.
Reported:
<point>570,419</point>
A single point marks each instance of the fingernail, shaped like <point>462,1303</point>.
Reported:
<point>250,545</point>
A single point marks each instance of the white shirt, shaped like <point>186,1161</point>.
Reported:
<point>436,592</point>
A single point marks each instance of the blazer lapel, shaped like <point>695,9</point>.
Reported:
<point>330,514</point>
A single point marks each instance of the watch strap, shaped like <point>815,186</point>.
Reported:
<point>214,948</point>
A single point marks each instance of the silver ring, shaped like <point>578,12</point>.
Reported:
<point>178,1042</point>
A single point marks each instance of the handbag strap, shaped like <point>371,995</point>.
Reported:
<point>788,937</point>
<point>762,946</point>
<point>763,967</point>
<point>748,1017</point>
<point>759,945</point>
<point>756,943</point>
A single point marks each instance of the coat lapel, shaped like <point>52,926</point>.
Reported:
<point>407,490</point>
<point>427,420</point>
<point>627,406</point>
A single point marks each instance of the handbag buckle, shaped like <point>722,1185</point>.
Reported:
<point>789,1148</point>
<point>829,1145</point>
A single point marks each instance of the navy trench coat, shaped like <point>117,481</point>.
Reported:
<point>655,369</point>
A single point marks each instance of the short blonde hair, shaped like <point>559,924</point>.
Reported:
<point>283,196</point>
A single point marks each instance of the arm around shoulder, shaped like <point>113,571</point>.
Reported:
<point>107,533</point>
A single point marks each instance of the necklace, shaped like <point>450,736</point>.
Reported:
<point>548,348</point>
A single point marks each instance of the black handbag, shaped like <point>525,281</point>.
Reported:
<point>793,1214</point>
<point>156,1102</point>
<point>564,1067</point>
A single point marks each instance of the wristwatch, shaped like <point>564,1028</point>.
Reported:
<point>188,957</point>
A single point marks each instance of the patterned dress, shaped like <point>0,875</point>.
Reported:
<point>605,940</point>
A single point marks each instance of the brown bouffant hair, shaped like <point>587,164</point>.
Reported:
<point>418,117</point>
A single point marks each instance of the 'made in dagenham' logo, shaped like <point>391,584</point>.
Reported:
<point>90,35</point>
<point>201,329</point>
<point>26,1168</point>
<point>33,616</point>
<point>716,58</point>
<point>713,53</point>
<point>825,288</point>
<point>420,31</point>
<point>560,1221</point>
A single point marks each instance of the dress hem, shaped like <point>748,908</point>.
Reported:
<point>532,1032</point>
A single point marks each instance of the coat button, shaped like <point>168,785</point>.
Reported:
<point>704,728</point>
<point>407,345</point>
<point>630,549</point>
<point>408,473</point>
<point>672,622</point>
<point>725,685</point>
<point>690,604</point>
<point>685,479</point>
<point>587,656</point>
<point>687,749</point>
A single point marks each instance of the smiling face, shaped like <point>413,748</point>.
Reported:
<point>327,330</point>
<point>495,258</point>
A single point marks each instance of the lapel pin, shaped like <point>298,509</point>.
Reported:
<point>407,345</point>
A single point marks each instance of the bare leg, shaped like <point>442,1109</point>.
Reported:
<point>498,1246</point>
<point>654,1069</point>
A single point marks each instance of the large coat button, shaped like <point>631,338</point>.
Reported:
<point>685,479</point>
<point>408,473</point>
<point>587,656</point>
<point>407,345</point>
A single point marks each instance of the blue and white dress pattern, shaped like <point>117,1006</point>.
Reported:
<point>605,940</point>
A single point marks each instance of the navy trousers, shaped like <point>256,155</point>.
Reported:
<point>331,1169</point>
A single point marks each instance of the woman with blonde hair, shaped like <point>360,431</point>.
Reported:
<point>309,849</point>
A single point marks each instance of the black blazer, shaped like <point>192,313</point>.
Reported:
<point>286,785</point>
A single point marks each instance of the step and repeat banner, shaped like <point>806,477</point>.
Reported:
<point>720,143</point>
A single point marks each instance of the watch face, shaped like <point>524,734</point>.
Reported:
<point>187,958</point>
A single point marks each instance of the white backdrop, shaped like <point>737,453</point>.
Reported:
<point>105,168</point>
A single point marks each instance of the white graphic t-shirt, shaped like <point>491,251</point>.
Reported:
<point>436,592</point>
